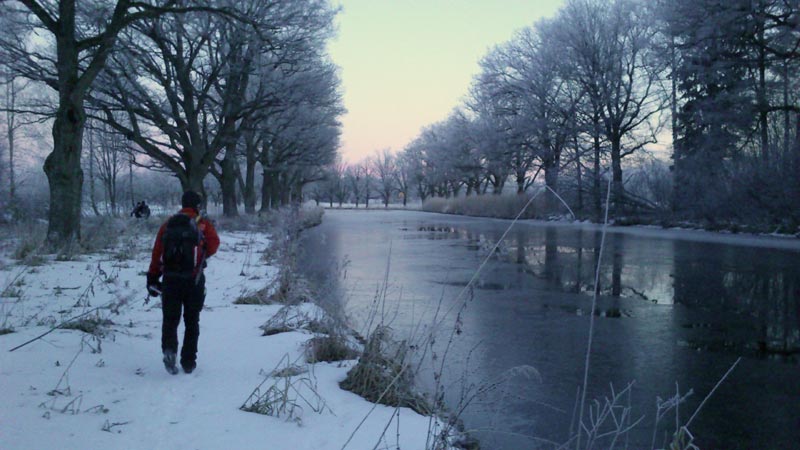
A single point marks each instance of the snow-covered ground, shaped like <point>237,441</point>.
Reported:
<point>71,390</point>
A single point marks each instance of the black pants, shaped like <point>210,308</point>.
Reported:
<point>177,294</point>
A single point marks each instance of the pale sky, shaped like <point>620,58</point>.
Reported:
<point>407,63</point>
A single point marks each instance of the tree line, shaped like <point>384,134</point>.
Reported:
<point>189,88</point>
<point>688,108</point>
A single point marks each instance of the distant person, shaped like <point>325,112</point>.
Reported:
<point>183,245</point>
<point>141,210</point>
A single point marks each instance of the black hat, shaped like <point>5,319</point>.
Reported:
<point>191,199</point>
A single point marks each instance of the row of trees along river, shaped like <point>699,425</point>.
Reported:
<point>189,88</point>
<point>689,107</point>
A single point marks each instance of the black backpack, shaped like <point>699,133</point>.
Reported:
<point>181,240</point>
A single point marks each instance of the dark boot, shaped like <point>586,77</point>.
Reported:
<point>189,367</point>
<point>169,362</point>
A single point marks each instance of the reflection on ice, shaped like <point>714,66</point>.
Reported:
<point>675,308</point>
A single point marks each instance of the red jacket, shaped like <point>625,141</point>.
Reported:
<point>210,241</point>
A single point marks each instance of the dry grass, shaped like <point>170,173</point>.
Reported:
<point>259,297</point>
<point>286,391</point>
<point>92,325</point>
<point>496,206</point>
<point>301,218</point>
<point>329,349</point>
<point>291,370</point>
<point>382,374</point>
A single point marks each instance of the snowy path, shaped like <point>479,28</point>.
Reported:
<point>123,388</point>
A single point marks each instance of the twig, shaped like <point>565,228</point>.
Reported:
<point>689,422</point>
<point>591,317</point>
<point>562,201</point>
<point>61,325</point>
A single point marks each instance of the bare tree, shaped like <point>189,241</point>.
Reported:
<point>384,167</point>
<point>161,81</point>
<point>13,89</point>
<point>111,157</point>
<point>354,176</point>
<point>610,45</point>
<point>79,39</point>
<point>403,175</point>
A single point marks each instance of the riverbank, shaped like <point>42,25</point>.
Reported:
<point>684,233</point>
<point>99,381</point>
<point>508,207</point>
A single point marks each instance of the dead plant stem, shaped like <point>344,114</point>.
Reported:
<point>591,318</point>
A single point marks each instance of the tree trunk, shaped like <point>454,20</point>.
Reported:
<point>92,196</point>
<point>250,182</point>
<point>130,181</point>
<point>11,99</point>
<point>64,173</point>
<point>267,182</point>
<point>598,208</point>
<point>676,169</point>
<point>192,179</point>
<point>579,175</point>
<point>12,185</point>
<point>551,180</point>
<point>762,105</point>
<point>282,195</point>
<point>228,182</point>
<point>616,267</point>
<point>112,196</point>
<point>797,169</point>
<point>786,122</point>
<point>616,168</point>
<point>552,267</point>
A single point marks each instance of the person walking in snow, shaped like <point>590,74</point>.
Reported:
<point>141,210</point>
<point>183,245</point>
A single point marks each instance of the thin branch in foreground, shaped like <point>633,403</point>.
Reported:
<point>591,317</point>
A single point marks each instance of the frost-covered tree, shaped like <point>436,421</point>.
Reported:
<point>65,44</point>
<point>384,166</point>
<point>610,47</point>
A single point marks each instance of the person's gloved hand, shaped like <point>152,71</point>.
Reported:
<point>153,285</point>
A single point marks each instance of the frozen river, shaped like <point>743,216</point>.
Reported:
<point>675,307</point>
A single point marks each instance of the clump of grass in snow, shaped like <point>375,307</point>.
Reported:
<point>6,330</point>
<point>305,316</point>
<point>100,233</point>
<point>291,370</point>
<point>290,288</point>
<point>92,325</point>
<point>329,349</point>
<point>286,392</point>
<point>260,297</point>
<point>288,318</point>
<point>27,247</point>
<point>383,374</point>
<point>28,250</point>
<point>12,292</point>
<point>14,288</point>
